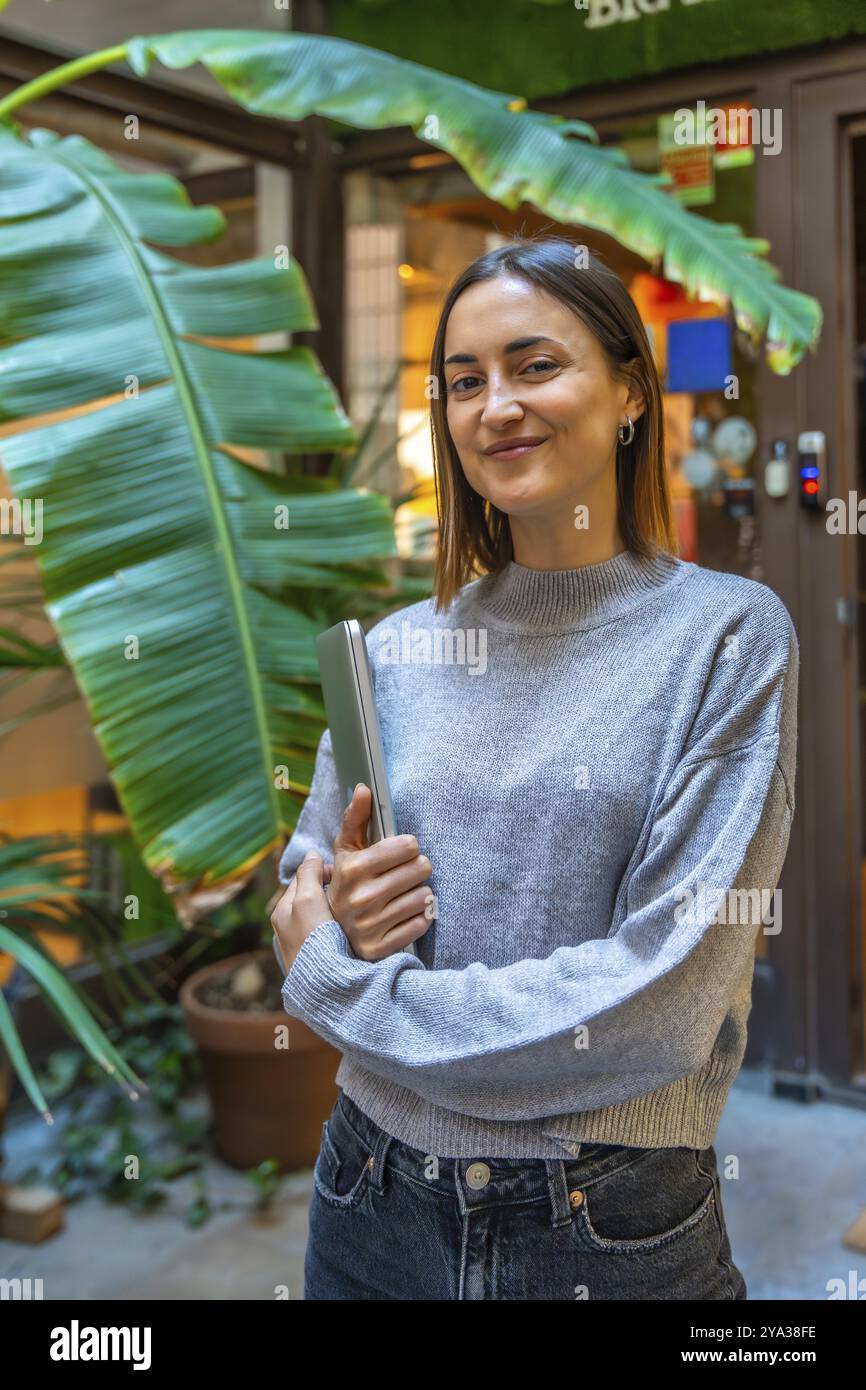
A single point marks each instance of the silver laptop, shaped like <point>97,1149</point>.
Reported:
<point>350,708</point>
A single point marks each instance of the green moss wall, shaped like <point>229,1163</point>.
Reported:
<point>536,48</point>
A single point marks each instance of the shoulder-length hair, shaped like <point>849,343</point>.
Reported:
<point>474,536</point>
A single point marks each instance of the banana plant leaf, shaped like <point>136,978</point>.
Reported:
<point>171,568</point>
<point>512,154</point>
<point>38,888</point>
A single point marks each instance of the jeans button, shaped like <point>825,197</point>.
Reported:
<point>478,1175</point>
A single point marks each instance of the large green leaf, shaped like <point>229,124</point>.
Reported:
<point>512,154</point>
<point>173,571</point>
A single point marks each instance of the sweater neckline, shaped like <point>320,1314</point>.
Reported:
<point>520,599</point>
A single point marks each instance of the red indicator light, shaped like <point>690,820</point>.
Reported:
<point>810,485</point>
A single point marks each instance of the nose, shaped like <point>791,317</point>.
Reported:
<point>500,405</point>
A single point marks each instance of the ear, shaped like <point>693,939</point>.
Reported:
<point>635,404</point>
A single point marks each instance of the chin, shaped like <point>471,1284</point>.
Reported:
<point>516,503</point>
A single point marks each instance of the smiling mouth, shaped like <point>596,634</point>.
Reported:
<point>517,452</point>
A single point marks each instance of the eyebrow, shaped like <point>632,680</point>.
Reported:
<point>515,346</point>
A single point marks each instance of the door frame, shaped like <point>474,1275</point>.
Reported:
<point>825,110</point>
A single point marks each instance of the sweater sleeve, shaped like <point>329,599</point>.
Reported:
<point>321,814</point>
<point>621,1014</point>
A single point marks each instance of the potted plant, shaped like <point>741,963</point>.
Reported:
<point>270,1078</point>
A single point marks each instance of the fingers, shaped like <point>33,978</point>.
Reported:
<point>392,883</point>
<point>309,875</point>
<point>397,938</point>
<point>328,870</point>
<point>352,836</point>
<point>353,830</point>
<point>404,907</point>
<point>381,898</point>
<point>304,886</point>
<point>386,854</point>
<point>283,910</point>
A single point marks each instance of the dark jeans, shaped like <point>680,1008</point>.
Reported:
<point>390,1222</point>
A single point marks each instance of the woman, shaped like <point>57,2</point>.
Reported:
<point>593,745</point>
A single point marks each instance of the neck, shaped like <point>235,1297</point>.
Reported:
<point>541,545</point>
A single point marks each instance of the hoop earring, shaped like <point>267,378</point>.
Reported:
<point>622,439</point>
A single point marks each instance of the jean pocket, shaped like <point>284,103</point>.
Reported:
<point>343,1166</point>
<point>658,1198</point>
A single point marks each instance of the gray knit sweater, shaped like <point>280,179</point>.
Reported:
<point>599,763</point>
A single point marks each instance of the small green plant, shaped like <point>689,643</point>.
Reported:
<point>38,888</point>
<point>128,1151</point>
<point>267,1180</point>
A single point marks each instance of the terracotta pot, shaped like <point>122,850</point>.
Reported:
<point>267,1102</point>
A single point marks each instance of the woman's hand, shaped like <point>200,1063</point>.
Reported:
<point>303,906</point>
<point>375,891</point>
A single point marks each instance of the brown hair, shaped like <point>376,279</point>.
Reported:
<point>474,536</point>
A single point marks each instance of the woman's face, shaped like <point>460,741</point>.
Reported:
<point>555,388</point>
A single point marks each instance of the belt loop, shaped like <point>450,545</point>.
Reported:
<point>560,1206</point>
<point>380,1153</point>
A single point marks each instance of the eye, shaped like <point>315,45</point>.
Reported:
<point>458,381</point>
<point>542,363</point>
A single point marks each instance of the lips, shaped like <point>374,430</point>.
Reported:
<point>514,448</point>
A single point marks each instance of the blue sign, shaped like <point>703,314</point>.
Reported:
<point>699,354</point>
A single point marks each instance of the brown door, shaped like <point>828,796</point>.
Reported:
<point>820,952</point>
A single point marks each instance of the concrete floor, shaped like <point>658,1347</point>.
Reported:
<point>801,1185</point>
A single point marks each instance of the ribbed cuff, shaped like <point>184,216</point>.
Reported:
<point>322,962</point>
